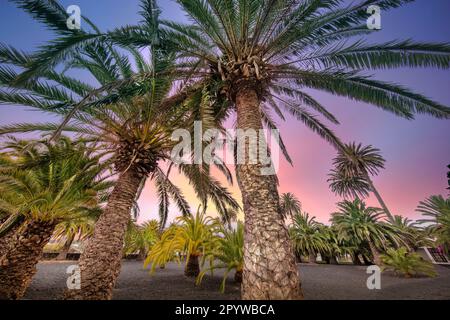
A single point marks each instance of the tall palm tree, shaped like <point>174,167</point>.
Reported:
<point>448,176</point>
<point>353,167</point>
<point>48,185</point>
<point>436,209</point>
<point>264,53</point>
<point>363,224</point>
<point>132,129</point>
<point>290,205</point>
<point>260,55</point>
<point>306,236</point>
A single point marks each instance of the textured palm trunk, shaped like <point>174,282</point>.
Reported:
<point>375,254</point>
<point>65,249</point>
<point>7,240</point>
<point>192,268</point>
<point>379,198</point>
<point>238,276</point>
<point>101,260</point>
<point>18,266</point>
<point>270,271</point>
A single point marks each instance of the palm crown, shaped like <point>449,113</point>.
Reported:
<point>357,221</point>
<point>52,182</point>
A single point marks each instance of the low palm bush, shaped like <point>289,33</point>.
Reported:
<point>229,254</point>
<point>193,237</point>
<point>141,238</point>
<point>408,264</point>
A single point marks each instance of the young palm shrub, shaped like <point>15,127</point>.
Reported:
<point>192,237</point>
<point>437,211</point>
<point>353,167</point>
<point>406,263</point>
<point>141,238</point>
<point>48,185</point>
<point>229,253</point>
<point>307,237</point>
<point>361,224</point>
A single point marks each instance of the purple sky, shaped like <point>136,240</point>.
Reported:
<point>417,152</point>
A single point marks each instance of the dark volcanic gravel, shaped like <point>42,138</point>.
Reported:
<point>318,282</point>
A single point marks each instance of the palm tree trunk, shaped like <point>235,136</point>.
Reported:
<point>312,258</point>
<point>8,238</point>
<point>238,276</point>
<point>65,249</point>
<point>366,260</point>
<point>101,260</point>
<point>18,266</point>
<point>379,198</point>
<point>270,271</point>
<point>375,253</point>
<point>333,260</point>
<point>142,254</point>
<point>192,268</point>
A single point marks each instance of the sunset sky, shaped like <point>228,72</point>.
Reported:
<point>417,152</point>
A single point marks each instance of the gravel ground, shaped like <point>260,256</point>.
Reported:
<point>319,282</point>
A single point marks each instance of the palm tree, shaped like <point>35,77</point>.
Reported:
<point>48,185</point>
<point>230,253</point>
<point>290,205</point>
<point>407,263</point>
<point>141,238</point>
<point>334,247</point>
<point>75,229</point>
<point>363,224</point>
<point>131,126</point>
<point>306,236</point>
<point>437,211</point>
<point>353,167</point>
<point>264,53</point>
<point>194,237</point>
<point>448,177</point>
<point>412,233</point>
<point>260,56</point>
